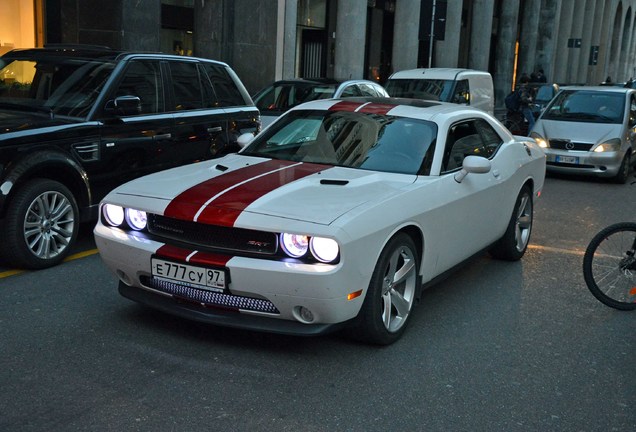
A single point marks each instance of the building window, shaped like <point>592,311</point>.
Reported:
<point>17,24</point>
<point>177,25</point>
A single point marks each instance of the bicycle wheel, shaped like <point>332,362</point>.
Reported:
<point>609,266</point>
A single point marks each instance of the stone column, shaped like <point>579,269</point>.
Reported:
<point>139,25</point>
<point>601,37</point>
<point>447,51</point>
<point>564,33</point>
<point>527,61</point>
<point>481,34</point>
<point>405,34</point>
<point>351,26</point>
<point>289,39</point>
<point>577,32</point>
<point>547,35</point>
<point>505,56</point>
<point>588,37</point>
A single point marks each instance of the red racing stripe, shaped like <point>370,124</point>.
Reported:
<point>227,207</point>
<point>377,108</point>
<point>345,106</point>
<point>189,202</point>
<point>201,258</point>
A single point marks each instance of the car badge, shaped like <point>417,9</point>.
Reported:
<point>569,145</point>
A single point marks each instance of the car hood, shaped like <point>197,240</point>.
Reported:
<point>13,121</point>
<point>577,131</point>
<point>219,191</point>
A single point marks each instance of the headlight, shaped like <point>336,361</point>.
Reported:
<point>542,142</point>
<point>294,245</point>
<point>114,214</point>
<point>324,249</point>
<point>136,219</point>
<point>608,146</point>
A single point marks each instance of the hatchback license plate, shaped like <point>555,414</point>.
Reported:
<point>192,276</point>
<point>568,159</point>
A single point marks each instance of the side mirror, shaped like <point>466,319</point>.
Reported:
<point>124,105</point>
<point>473,164</point>
<point>244,139</point>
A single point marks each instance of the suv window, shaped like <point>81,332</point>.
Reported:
<point>143,79</point>
<point>186,86</point>
<point>225,89</point>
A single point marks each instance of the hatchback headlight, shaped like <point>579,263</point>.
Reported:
<point>542,142</point>
<point>608,146</point>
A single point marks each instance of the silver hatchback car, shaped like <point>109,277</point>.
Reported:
<point>589,131</point>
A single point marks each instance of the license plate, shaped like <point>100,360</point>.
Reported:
<point>568,159</point>
<point>192,276</point>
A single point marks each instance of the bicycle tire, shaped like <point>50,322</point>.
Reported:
<point>609,266</point>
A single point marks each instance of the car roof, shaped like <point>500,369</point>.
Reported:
<point>434,73</point>
<point>416,108</point>
<point>90,52</point>
<point>606,89</point>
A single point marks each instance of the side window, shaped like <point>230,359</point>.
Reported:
<point>186,85</point>
<point>143,79</point>
<point>632,111</point>
<point>463,140</point>
<point>367,90</point>
<point>462,93</point>
<point>225,89</point>
<point>490,139</point>
<point>351,91</point>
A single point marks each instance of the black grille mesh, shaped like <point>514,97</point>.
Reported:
<point>213,237</point>
<point>560,144</point>
<point>214,298</point>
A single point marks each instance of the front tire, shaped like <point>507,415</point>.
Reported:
<point>512,246</point>
<point>391,294</point>
<point>623,172</point>
<point>41,225</point>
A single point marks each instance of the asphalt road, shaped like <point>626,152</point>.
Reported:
<point>495,347</point>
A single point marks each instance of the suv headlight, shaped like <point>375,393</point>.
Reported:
<point>609,146</point>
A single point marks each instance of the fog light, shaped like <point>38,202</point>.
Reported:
<point>304,314</point>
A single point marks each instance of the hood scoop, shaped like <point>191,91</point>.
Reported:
<point>334,182</point>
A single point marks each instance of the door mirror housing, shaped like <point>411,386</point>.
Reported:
<point>473,164</point>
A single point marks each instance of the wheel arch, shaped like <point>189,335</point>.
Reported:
<point>52,165</point>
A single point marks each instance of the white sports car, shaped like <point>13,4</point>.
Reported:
<point>336,215</point>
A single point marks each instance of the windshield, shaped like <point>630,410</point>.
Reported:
<point>435,89</point>
<point>351,139</point>
<point>59,86</point>
<point>283,96</point>
<point>587,106</point>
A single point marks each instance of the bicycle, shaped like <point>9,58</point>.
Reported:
<point>609,265</point>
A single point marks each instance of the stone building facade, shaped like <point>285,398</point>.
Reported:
<point>572,41</point>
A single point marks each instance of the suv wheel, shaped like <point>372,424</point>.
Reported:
<point>41,224</point>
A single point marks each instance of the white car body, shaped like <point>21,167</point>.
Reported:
<point>450,218</point>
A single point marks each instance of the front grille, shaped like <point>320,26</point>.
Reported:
<point>213,237</point>
<point>210,298</point>
<point>562,144</point>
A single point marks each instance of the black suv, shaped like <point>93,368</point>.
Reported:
<point>76,121</point>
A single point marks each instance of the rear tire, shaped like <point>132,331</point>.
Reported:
<point>41,225</point>
<point>512,246</point>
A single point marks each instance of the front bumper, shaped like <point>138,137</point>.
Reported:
<point>282,291</point>
<point>582,162</point>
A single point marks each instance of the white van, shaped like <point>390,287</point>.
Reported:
<point>461,86</point>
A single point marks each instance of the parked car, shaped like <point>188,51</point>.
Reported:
<point>589,131</point>
<point>76,121</point>
<point>460,86</point>
<point>334,215</point>
<point>275,99</point>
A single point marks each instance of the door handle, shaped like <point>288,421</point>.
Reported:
<point>215,129</point>
<point>161,137</point>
